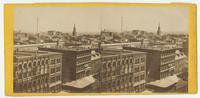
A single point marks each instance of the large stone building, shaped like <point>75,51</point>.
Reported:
<point>37,72</point>
<point>160,66</point>
<point>122,71</point>
<point>77,71</point>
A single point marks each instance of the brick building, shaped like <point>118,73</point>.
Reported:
<point>77,72</point>
<point>160,66</point>
<point>37,72</point>
<point>122,71</point>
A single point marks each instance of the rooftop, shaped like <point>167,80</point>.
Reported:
<point>23,54</point>
<point>156,48</point>
<point>81,83</point>
<point>69,48</point>
<point>165,82</point>
<point>118,51</point>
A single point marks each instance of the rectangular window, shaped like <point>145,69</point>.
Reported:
<point>137,61</point>
<point>52,61</point>
<point>143,59</point>
<point>53,79</point>
<point>58,60</point>
<point>137,79</point>
<point>137,69</point>
<point>142,77</point>
<point>58,78</point>
<point>142,68</point>
<point>57,69</point>
<point>52,70</point>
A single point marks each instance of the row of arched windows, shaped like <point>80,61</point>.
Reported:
<point>32,86</point>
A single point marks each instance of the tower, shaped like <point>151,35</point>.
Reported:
<point>158,31</point>
<point>74,33</point>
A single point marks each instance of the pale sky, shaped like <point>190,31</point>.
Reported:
<point>93,19</point>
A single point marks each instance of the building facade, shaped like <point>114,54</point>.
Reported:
<point>160,61</point>
<point>75,62</point>
<point>78,68</point>
<point>122,71</point>
<point>37,72</point>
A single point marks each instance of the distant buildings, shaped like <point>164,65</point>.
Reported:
<point>37,72</point>
<point>106,35</point>
<point>54,33</point>
<point>97,63</point>
<point>20,38</point>
<point>122,71</point>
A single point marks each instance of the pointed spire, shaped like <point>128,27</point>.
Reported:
<point>74,33</point>
<point>158,31</point>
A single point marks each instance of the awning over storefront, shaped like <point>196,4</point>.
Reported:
<point>166,82</point>
<point>81,83</point>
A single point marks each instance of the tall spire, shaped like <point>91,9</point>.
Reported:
<point>158,31</point>
<point>74,33</point>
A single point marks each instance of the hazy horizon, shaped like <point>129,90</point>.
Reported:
<point>94,19</point>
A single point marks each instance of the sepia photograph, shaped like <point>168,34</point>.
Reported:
<point>100,49</point>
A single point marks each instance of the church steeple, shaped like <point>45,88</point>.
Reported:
<point>158,31</point>
<point>74,33</point>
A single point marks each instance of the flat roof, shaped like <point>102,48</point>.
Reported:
<point>165,82</point>
<point>154,48</point>
<point>23,54</point>
<point>81,83</point>
<point>119,51</point>
<point>75,48</point>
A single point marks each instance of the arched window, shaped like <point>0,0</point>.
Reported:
<point>30,65</point>
<point>39,63</point>
<point>34,64</point>
<point>25,66</point>
<point>47,61</point>
<point>114,64</point>
<point>118,63</point>
<point>109,66</point>
<point>20,67</point>
<point>126,61</point>
<point>42,62</point>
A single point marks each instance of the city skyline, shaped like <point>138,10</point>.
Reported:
<point>94,19</point>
